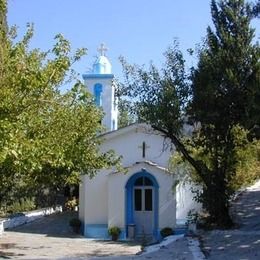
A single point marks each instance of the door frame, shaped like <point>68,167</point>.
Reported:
<point>129,208</point>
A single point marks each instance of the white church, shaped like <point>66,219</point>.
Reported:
<point>144,196</point>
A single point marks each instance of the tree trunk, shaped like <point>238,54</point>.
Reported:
<point>215,200</point>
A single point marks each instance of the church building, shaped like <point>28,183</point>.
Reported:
<point>143,199</point>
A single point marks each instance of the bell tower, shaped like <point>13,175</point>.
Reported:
<point>100,83</point>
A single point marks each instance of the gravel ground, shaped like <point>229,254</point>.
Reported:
<point>242,243</point>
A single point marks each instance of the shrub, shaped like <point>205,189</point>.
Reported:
<point>21,205</point>
<point>114,232</point>
<point>71,204</point>
<point>192,217</point>
<point>167,231</point>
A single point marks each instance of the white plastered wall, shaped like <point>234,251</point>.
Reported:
<point>185,201</point>
<point>96,203</point>
<point>129,145</point>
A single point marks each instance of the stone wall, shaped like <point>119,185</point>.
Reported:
<point>27,217</point>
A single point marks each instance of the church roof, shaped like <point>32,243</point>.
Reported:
<point>102,65</point>
<point>145,163</point>
<point>123,130</point>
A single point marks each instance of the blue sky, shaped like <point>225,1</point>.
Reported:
<point>140,30</point>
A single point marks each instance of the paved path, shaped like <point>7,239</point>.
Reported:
<point>51,238</point>
<point>178,250</point>
<point>242,243</point>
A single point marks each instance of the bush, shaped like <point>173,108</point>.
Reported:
<point>21,205</point>
<point>114,232</point>
<point>192,217</point>
<point>71,204</point>
<point>167,231</point>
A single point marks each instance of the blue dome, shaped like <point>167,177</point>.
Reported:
<point>102,66</point>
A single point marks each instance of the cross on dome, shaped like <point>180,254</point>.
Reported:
<point>102,64</point>
<point>102,49</point>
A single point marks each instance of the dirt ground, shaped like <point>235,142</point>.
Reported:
<point>52,238</point>
<point>242,243</point>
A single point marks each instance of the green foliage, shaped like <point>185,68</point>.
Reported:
<point>228,72</point>
<point>167,231</point>
<point>114,231</point>
<point>125,117</point>
<point>22,205</point>
<point>3,10</point>
<point>155,94</point>
<point>245,161</point>
<point>246,157</point>
<point>47,137</point>
<point>71,204</point>
<point>225,89</point>
<point>192,217</point>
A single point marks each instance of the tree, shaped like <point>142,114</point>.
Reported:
<point>226,82</point>
<point>256,9</point>
<point>226,94</point>
<point>125,116</point>
<point>221,99</point>
<point>47,137</point>
<point>3,22</point>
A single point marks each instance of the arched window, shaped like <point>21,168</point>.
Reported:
<point>98,89</point>
<point>143,181</point>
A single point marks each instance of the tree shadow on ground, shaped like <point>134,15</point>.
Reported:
<point>231,245</point>
<point>7,254</point>
<point>246,210</point>
<point>243,242</point>
<point>55,225</point>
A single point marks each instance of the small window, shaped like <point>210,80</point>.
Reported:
<point>148,199</point>
<point>138,199</point>
<point>98,89</point>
